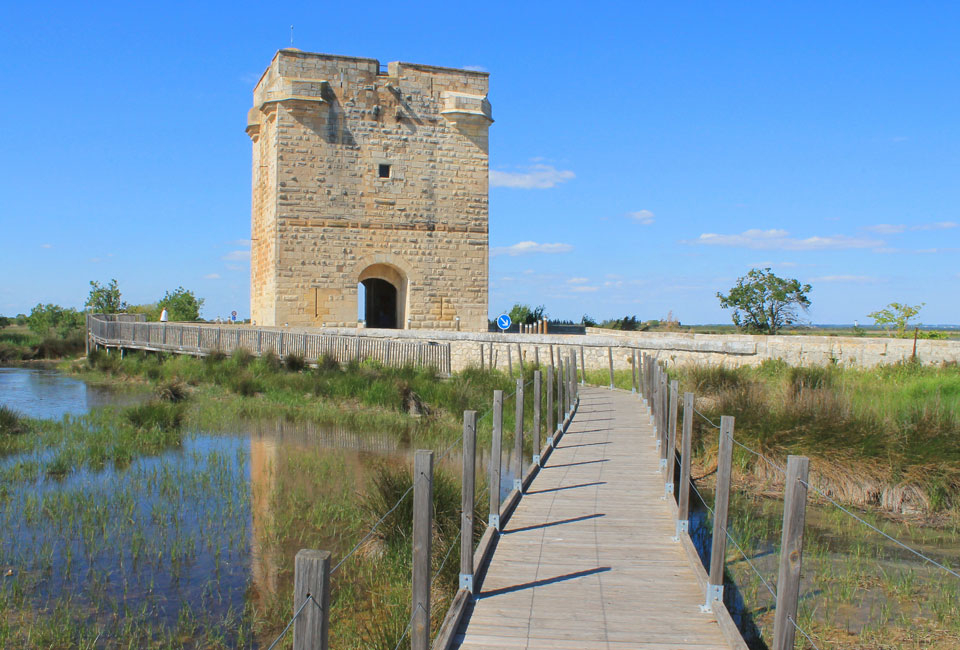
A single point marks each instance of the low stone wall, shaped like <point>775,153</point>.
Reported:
<point>467,348</point>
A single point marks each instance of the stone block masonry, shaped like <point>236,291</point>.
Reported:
<point>362,175</point>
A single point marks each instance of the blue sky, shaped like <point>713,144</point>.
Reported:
<point>644,155</point>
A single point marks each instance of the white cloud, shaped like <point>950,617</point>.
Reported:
<point>527,247</point>
<point>578,280</point>
<point>475,68</point>
<point>535,177</point>
<point>854,279</point>
<point>893,229</point>
<point>46,245</point>
<point>212,276</point>
<point>583,289</point>
<point>237,256</point>
<point>886,228</point>
<point>645,217</point>
<point>239,242</point>
<point>939,225</point>
<point>776,239</point>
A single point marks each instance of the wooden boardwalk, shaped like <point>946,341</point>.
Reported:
<point>587,558</point>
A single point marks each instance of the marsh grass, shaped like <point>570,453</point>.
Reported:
<point>11,422</point>
<point>886,437</point>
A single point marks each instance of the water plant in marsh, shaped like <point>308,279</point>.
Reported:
<point>887,437</point>
<point>137,556</point>
<point>412,403</point>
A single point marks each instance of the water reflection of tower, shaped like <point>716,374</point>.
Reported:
<point>263,468</point>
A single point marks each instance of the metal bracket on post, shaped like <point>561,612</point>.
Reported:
<point>518,485</point>
<point>714,592</point>
<point>667,490</point>
<point>495,522</point>
<point>550,441</point>
<point>536,460</point>
<point>466,582</point>
<point>683,526</point>
<point>663,461</point>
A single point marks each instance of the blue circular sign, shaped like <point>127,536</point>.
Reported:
<point>503,322</point>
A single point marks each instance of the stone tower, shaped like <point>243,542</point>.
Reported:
<point>369,176</point>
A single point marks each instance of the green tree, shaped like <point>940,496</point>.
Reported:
<point>105,299</point>
<point>181,305</point>
<point>45,318</point>
<point>524,314</point>
<point>896,314</point>
<point>764,303</point>
<point>5,322</point>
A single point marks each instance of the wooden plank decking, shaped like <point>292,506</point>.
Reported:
<point>587,560</point>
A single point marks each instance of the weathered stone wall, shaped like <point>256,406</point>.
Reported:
<point>322,215</point>
<point>675,349</point>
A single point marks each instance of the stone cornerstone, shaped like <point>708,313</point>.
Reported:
<point>373,177</point>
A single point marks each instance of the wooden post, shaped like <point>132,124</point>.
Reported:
<point>509,360</point>
<point>311,578</point>
<point>683,506</point>
<point>520,358</point>
<point>422,538</point>
<point>610,356</point>
<point>672,439</point>
<point>552,364</point>
<point>518,438</point>
<point>791,552</point>
<point>718,550</point>
<point>561,391</point>
<point>551,422</point>
<point>481,357</point>
<point>583,367</point>
<point>467,487</point>
<point>536,356</point>
<point>537,398</point>
<point>574,386</point>
<point>633,371</point>
<point>495,458</point>
<point>664,398</point>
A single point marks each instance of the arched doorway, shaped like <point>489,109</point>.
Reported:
<point>380,303</point>
<point>384,296</point>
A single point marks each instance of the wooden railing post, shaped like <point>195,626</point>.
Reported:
<point>683,505</point>
<point>509,360</point>
<point>422,539</point>
<point>520,359</point>
<point>583,367</point>
<point>574,384</point>
<point>718,550</point>
<point>791,552</point>
<point>664,399</point>
<point>495,458</point>
<point>610,357</point>
<point>561,392</point>
<point>633,370</point>
<point>537,399</point>
<point>467,499</point>
<point>672,439</point>
<point>311,579</point>
<point>551,414</point>
<point>518,439</point>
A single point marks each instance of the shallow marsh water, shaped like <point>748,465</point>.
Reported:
<point>186,539</point>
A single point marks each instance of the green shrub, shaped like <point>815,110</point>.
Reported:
<point>328,363</point>
<point>173,391</point>
<point>245,384</point>
<point>294,362</point>
<point>161,416</point>
<point>11,422</point>
<point>270,361</point>
<point>242,357</point>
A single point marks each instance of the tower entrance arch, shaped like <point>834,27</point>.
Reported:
<point>385,296</point>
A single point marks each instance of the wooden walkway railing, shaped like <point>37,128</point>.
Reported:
<point>110,331</point>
